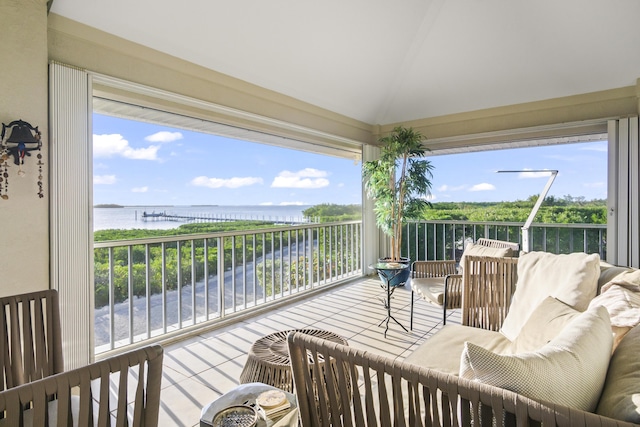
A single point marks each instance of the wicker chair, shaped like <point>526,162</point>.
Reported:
<point>30,340</point>
<point>84,396</point>
<point>390,392</point>
<point>439,282</point>
<point>489,283</point>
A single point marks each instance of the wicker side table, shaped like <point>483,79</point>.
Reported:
<point>268,361</point>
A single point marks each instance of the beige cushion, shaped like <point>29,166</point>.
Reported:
<point>429,288</point>
<point>442,350</point>
<point>621,297</point>
<point>609,272</point>
<point>571,278</point>
<point>480,250</point>
<point>620,397</point>
<point>569,371</point>
<point>544,324</point>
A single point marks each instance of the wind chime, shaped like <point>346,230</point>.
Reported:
<point>21,140</point>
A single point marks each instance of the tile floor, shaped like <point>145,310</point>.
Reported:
<point>200,369</point>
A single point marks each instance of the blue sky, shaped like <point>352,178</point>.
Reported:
<point>139,163</point>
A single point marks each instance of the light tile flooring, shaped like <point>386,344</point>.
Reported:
<point>200,369</point>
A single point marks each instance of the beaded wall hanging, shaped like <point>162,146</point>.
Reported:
<point>21,139</point>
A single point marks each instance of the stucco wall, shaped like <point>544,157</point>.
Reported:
<point>24,217</point>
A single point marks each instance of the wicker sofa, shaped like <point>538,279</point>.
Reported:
<point>570,362</point>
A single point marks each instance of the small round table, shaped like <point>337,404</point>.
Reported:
<point>268,360</point>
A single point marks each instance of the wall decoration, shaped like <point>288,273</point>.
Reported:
<point>21,139</point>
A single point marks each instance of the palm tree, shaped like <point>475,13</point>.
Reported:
<point>399,182</point>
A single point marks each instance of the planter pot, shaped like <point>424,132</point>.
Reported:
<point>401,278</point>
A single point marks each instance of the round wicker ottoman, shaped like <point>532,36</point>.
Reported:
<point>269,362</point>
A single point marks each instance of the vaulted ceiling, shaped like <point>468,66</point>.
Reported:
<point>388,61</point>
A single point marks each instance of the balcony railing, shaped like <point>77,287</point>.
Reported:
<point>153,288</point>
<point>430,240</point>
<point>147,288</point>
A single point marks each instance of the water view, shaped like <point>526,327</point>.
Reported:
<point>130,217</point>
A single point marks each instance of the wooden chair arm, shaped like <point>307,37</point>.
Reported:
<point>489,283</point>
<point>421,269</point>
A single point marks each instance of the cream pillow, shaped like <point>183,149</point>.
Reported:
<point>569,371</point>
<point>609,272</point>
<point>621,393</point>
<point>571,278</point>
<point>480,250</point>
<point>544,324</point>
<point>621,297</point>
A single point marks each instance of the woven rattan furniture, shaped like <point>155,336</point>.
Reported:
<point>412,392</point>
<point>439,281</point>
<point>30,339</point>
<point>97,394</point>
<point>269,363</point>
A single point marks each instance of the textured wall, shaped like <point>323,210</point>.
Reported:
<point>24,217</point>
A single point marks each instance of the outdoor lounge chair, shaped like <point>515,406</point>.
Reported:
<point>440,282</point>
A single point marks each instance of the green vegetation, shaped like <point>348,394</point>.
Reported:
<point>185,229</point>
<point>565,210</point>
<point>172,275</point>
<point>330,212</point>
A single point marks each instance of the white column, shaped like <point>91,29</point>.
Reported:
<point>71,209</point>
<point>372,241</point>
<point>623,220</point>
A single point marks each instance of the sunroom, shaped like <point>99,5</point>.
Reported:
<point>331,78</point>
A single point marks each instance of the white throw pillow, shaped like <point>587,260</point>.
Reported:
<point>570,370</point>
<point>570,278</point>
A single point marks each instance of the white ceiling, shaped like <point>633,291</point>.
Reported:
<point>387,61</point>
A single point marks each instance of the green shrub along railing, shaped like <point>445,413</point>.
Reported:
<point>438,240</point>
<point>148,287</point>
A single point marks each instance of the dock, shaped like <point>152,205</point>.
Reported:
<point>212,217</point>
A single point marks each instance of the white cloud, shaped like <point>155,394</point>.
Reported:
<point>110,145</point>
<point>594,184</point>
<point>537,174</point>
<point>305,178</point>
<point>482,187</point>
<point>104,179</point>
<point>446,187</point>
<point>266,204</point>
<point>292,203</point>
<point>164,136</point>
<point>140,189</point>
<point>236,182</point>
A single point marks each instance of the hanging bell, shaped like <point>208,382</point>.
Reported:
<point>21,133</point>
<point>23,138</point>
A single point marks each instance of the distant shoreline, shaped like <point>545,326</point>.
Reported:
<point>108,205</point>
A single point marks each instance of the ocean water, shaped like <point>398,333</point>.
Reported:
<point>130,217</point>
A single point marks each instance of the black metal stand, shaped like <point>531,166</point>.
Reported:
<point>386,275</point>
